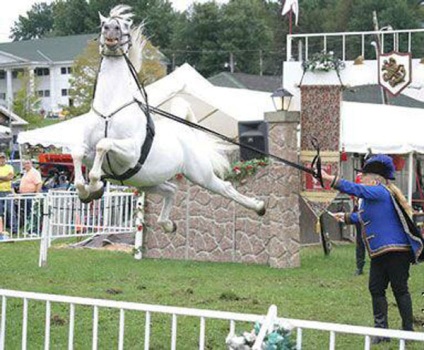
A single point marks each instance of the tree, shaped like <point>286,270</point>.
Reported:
<point>197,37</point>
<point>37,23</point>
<point>246,32</point>
<point>26,103</point>
<point>71,17</point>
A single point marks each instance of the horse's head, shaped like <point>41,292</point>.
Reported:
<point>115,36</point>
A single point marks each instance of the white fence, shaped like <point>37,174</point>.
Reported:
<point>349,45</point>
<point>60,214</point>
<point>73,305</point>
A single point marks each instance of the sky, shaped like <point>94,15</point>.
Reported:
<point>10,12</point>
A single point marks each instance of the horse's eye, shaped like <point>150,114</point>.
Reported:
<point>107,27</point>
<point>116,27</point>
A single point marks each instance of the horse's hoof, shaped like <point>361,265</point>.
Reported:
<point>169,226</point>
<point>262,211</point>
<point>85,200</point>
<point>97,194</point>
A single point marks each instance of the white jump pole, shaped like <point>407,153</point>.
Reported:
<point>139,224</point>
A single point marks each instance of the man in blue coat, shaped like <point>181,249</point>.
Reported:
<point>392,240</point>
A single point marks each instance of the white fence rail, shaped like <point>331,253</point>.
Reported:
<point>349,45</point>
<point>203,316</point>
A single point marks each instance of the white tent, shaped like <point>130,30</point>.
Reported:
<point>383,128</point>
<point>215,107</point>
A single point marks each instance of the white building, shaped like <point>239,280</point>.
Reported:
<point>48,60</point>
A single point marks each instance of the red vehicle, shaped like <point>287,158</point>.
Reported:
<point>51,163</point>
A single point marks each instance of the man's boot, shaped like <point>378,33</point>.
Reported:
<point>404,303</point>
<point>379,308</point>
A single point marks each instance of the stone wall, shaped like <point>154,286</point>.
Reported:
<point>213,228</point>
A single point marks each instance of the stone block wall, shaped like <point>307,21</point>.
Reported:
<point>213,228</point>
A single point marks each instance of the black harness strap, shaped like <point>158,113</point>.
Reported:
<point>316,162</point>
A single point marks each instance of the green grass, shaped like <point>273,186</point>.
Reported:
<point>322,289</point>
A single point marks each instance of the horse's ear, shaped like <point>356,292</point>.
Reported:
<point>102,18</point>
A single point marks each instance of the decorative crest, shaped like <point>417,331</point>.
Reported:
<point>394,71</point>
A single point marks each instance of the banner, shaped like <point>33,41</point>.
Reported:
<point>394,71</point>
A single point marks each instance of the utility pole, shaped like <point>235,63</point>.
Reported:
<point>231,62</point>
<point>261,63</point>
<point>378,50</point>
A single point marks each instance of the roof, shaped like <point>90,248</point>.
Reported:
<point>15,119</point>
<point>372,94</point>
<point>268,83</point>
<point>57,49</point>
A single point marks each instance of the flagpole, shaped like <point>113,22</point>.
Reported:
<point>290,21</point>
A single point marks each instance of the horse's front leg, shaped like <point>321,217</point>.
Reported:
<point>95,185</point>
<point>79,182</point>
<point>125,149</point>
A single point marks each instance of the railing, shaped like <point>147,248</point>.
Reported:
<point>349,45</point>
<point>174,312</point>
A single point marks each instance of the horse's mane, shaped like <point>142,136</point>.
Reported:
<point>138,39</point>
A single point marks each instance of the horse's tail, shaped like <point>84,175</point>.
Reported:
<point>211,147</point>
<point>138,41</point>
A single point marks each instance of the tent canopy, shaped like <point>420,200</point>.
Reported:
<point>215,107</point>
<point>383,128</point>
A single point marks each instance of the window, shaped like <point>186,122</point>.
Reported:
<point>66,70</point>
<point>41,71</point>
<point>2,96</point>
<point>64,92</point>
<point>2,74</point>
<point>43,93</point>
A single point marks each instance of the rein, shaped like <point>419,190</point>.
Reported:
<point>316,162</point>
<point>314,170</point>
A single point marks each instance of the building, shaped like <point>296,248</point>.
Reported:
<point>48,60</point>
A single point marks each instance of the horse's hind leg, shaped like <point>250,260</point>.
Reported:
<point>167,191</point>
<point>77,156</point>
<point>226,189</point>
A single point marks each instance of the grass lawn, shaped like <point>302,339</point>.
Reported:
<point>322,289</point>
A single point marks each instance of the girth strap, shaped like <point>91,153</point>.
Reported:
<point>145,148</point>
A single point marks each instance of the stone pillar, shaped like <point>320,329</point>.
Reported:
<point>283,203</point>
<point>53,99</point>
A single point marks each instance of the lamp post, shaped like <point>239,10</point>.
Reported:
<point>281,99</point>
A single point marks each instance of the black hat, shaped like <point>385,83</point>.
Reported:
<point>380,164</point>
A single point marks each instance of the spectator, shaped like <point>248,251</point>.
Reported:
<point>6,177</point>
<point>391,238</point>
<point>31,180</point>
<point>30,183</point>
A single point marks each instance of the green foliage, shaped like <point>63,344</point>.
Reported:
<point>242,169</point>
<point>253,31</point>
<point>26,103</point>
<point>37,23</point>
<point>83,77</point>
<point>323,61</point>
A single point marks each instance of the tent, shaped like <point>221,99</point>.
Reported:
<point>215,107</point>
<point>383,128</point>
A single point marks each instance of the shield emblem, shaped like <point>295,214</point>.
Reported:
<point>394,71</point>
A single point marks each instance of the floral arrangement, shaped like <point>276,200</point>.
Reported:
<point>278,339</point>
<point>323,61</point>
<point>242,169</point>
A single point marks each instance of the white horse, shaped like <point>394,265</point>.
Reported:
<point>119,125</point>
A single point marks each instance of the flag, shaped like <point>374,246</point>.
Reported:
<point>292,5</point>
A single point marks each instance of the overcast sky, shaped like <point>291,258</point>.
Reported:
<point>13,8</point>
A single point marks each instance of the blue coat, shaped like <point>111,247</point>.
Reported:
<point>385,227</point>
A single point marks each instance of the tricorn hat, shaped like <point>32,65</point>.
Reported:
<point>380,164</point>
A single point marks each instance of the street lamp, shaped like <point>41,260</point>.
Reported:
<point>281,99</point>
